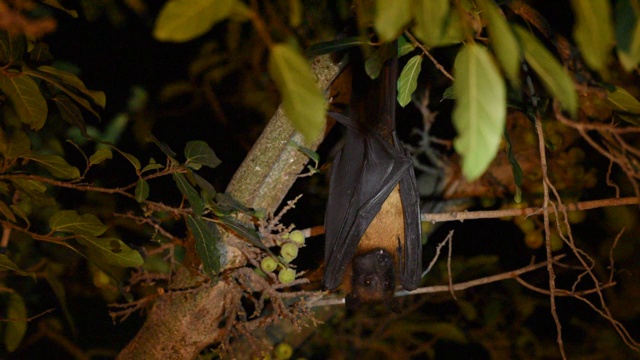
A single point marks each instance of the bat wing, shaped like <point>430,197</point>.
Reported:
<point>363,175</point>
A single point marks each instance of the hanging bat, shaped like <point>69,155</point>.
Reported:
<point>372,220</point>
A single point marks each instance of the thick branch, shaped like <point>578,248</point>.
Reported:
<point>180,326</point>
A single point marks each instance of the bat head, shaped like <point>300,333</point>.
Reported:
<point>373,279</point>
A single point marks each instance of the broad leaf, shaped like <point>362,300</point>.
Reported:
<point>408,80</point>
<point>12,47</point>
<point>142,190</point>
<point>190,193</point>
<point>112,251</point>
<point>132,159</point>
<point>56,165</point>
<point>18,145</point>
<point>553,76</point>
<point>391,18</point>
<point>7,264</point>
<point>373,65</point>
<point>628,33</point>
<point>431,17</point>
<point>480,110</point>
<point>71,221</point>
<point>71,113</point>
<point>445,331</point>
<point>621,100</point>
<point>207,244</point>
<point>503,41</point>
<point>404,46</point>
<point>70,80</point>
<point>593,31</point>
<point>26,99</point>
<point>199,153</point>
<point>152,166</point>
<point>15,329</point>
<point>245,232</point>
<point>29,185</point>
<point>100,155</point>
<point>183,20</point>
<point>302,100</point>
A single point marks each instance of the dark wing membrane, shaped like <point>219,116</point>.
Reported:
<point>363,175</point>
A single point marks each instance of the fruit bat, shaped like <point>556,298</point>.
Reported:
<point>372,220</point>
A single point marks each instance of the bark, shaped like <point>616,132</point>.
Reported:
<point>181,324</point>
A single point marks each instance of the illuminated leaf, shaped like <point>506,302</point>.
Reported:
<point>593,31</point>
<point>207,244</point>
<point>480,110</point>
<point>68,79</point>
<point>621,100</point>
<point>503,41</point>
<point>112,251</point>
<point>70,113</point>
<point>18,145</point>
<point>183,20</point>
<point>56,165</point>
<point>391,18</point>
<point>100,155</point>
<point>71,221</point>
<point>15,329</point>
<point>142,190</point>
<point>327,47</point>
<point>7,264</point>
<point>408,80</point>
<point>628,33</point>
<point>26,99</point>
<point>199,153</point>
<point>197,205</point>
<point>431,20</point>
<point>302,101</point>
<point>553,76</point>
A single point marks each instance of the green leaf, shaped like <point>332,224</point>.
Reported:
<point>132,159</point>
<point>207,244</point>
<point>190,193</point>
<point>327,47</point>
<point>71,221</point>
<point>152,166</point>
<point>391,18</point>
<point>449,93</point>
<point>66,84</point>
<point>205,185</point>
<point>408,80</point>
<point>628,33</point>
<point>480,110</point>
<point>302,101</point>
<point>199,153</point>
<point>26,99</point>
<point>374,63</point>
<point>67,79</point>
<point>631,119</point>
<point>142,190</point>
<point>306,151</point>
<point>249,234</point>
<point>6,211</point>
<point>431,17</point>
<point>184,20</point>
<point>593,31</point>
<point>56,165</point>
<point>18,145</point>
<point>100,155</point>
<point>15,329</point>
<point>30,185</point>
<point>404,46</point>
<point>112,251</point>
<point>553,76</point>
<point>503,41</point>
<point>621,100</point>
<point>18,210</point>
<point>12,47</point>
<point>71,113</point>
<point>7,264</point>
